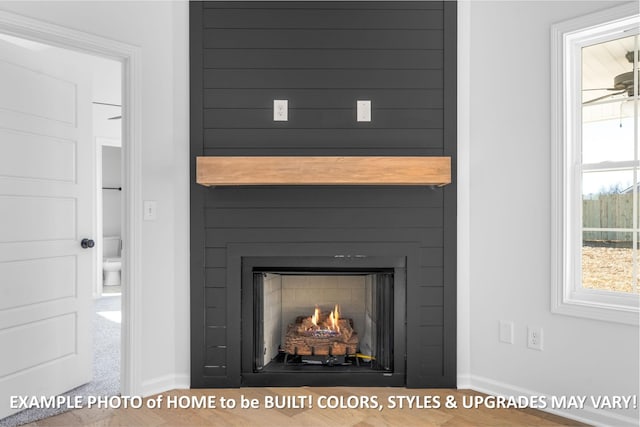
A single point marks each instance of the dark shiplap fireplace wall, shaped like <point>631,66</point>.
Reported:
<point>322,57</point>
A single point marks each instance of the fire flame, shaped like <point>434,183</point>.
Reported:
<point>334,317</point>
<point>332,323</point>
<point>316,316</point>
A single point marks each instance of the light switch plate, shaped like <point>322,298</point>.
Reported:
<point>150,210</point>
<point>506,331</point>
<point>280,110</point>
<point>364,110</point>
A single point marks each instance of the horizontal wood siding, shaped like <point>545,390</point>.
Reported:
<point>321,57</point>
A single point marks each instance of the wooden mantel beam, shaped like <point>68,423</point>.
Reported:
<point>321,170</point>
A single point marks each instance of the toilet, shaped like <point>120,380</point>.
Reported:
<point>111,262</point>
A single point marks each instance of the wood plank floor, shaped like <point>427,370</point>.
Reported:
<point>299,414</point>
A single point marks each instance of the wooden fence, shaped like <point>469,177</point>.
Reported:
<point>608,211</point>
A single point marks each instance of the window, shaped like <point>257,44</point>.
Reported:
<point>596,166</point>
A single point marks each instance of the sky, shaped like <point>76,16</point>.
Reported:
<point>607,140</point>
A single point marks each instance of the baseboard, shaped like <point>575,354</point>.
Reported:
<point>463,381</point>
<point>165,383</point>
<point>587,415</point>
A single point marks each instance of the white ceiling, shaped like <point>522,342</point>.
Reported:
<point>601,63</point>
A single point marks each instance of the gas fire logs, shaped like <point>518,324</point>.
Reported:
<point>322,334</point>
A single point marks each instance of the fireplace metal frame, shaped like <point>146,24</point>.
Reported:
<point>315,264</point>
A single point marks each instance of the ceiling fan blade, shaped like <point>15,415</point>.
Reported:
<point>107,104</point>
<point>603,97</point>
<point>114,118</point>
<point>600,88</point>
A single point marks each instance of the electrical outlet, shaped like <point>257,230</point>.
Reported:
<point>363,110</point>
<point>506,331</point>
<point>280,110</point>
<point>534,338</point>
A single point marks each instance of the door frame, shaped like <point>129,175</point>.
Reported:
<point>130,58</point>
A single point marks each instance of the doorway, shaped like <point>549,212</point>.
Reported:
<point>72,42</point>
<point>109,286</point>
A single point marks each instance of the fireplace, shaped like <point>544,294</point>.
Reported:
<point>323,194</point>
<point>323,321</point>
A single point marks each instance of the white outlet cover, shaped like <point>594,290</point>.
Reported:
<point>280,110</point>
<point>364,110</point>
<point>534,338</point>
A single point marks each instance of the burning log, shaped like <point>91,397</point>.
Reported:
<point>321,334</point>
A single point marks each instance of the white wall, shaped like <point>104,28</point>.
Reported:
<point>160,30</point>
<point>509,239</point>
<point>107,80</point>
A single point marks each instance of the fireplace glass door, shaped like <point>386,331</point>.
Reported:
<point>329,321</point>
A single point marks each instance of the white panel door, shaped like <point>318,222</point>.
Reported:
<point>46,209</point>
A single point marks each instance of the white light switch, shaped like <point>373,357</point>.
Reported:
<point>506,331</point>
<point>280,110</point>
<point>150,210</point>
<point>364,110</point>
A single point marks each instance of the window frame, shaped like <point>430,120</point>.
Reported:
<point>568,297</point>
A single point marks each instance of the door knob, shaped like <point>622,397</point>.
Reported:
<point>87,243</point>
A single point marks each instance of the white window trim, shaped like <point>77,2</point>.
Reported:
<point>567,295</point>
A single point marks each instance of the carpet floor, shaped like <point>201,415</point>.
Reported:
<point>106,362</point>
